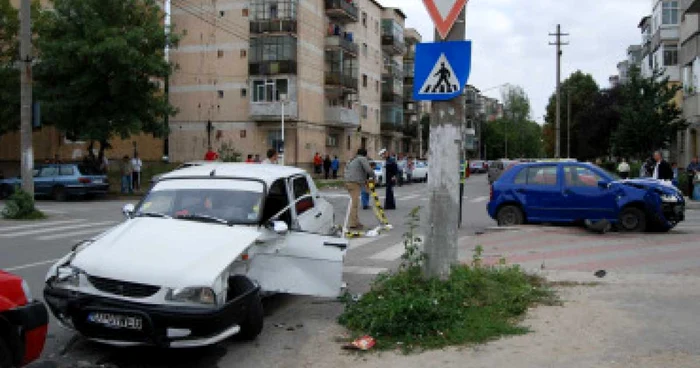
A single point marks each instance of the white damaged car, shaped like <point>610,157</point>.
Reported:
<point>189,265</point>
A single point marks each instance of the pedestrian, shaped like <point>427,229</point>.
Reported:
<point>211,155</point>
<point>318,163</point>
<point>365,189</point>
<point>674,168</point>
<point>104,164</point>
<point>272,157</point>
<point>624,169</point>
<point>662,170</point>
<point>692,170</point>
<point>648,168</point>
<point>335,166</point>
<point>327,166</point>
<point>356,174</point>
<point>126,170</point>
<point>136,166</point>
<point>249,160</point>
<point>392,172</point>
<point>257,159</point>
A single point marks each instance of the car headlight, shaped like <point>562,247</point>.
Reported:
<point>67,275</point>
<point>27,291</point>
<point>199,295</point>
<point>669,198</point>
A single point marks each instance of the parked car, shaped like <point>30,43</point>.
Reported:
<point>185,165</point>
<point>61,181</point>
<point>420,173</point>
<point>568,192</point>
<point>496,169</point>
<point>23,323</point>
<point>379,172</point>
<point>189,265</point>
<point>477,167</point>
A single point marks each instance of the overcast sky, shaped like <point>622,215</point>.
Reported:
<point>510,40</point>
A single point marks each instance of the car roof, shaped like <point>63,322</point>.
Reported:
<point>267,173</point>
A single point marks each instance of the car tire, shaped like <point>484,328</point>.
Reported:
<point>5,191</point>
<point>58,193</point>
<point>632,219</point>
<point>510,216</point>
<point>5,355</point>
<point>252,325</point>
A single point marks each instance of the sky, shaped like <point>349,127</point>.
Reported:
<point>510,40</point>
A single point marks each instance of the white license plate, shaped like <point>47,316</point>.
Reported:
<point>97,181</point>
<point>116,321</point>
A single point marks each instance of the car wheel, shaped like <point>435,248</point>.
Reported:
<point>632,220</point>
<point>59,193</point>
<point>5,355</point>
<point>510,216</point>
<point>5,191</point>
<point>252,325</point>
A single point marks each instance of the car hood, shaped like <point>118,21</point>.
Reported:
<point>665,187</point>
<point>165,252</point>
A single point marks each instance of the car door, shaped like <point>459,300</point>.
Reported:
<point>308,214</point>
<point>44,182</point>
<point>584,198</point>
<point>542,194</point>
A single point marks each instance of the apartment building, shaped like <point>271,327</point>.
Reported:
<point>412,109</point>
<point>660,39</point>
<point>332,70</point>
<point>688,140</point>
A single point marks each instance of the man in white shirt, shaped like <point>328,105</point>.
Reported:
<point>272,157</point>
<point>136,165</point>
<point>624,169</point>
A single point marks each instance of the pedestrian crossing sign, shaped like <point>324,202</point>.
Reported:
<point>441,70</point>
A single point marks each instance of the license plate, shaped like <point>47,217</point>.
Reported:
<point>116,321</point>
<point>97,181</point>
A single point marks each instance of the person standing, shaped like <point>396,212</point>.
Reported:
<point>211,155</point>
<point>692,170</point>
<point>136,165</point>
<point>624,169</point>
<point>356,174</point>
<point>104,164</point>
<point>125,170</point>
<point>318,163</point>
<point>327,167</point>
<point>662,170</point>
<point>272,157</point>
<point>249,159</point>
<point>256,159</point>
<point>392,171</point>
<point>335,166</point>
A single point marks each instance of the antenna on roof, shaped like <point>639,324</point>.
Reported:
<point>212,173</point>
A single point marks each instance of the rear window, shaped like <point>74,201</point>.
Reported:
<point>66,171</point>
<point>88,170</point>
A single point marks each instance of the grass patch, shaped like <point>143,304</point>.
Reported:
<point>21,206</point>
<point>476,304</point>
<point>329,184</point>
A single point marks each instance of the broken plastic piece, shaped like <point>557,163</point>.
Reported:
<point>364,343</point>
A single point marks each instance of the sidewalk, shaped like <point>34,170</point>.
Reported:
<point>692,205</point>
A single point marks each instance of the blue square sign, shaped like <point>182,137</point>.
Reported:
<point>441,70</point>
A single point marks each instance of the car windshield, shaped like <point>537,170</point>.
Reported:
<point>229,201</point>
<point>613,176</point>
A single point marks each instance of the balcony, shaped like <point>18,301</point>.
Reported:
<point>341,11</point>
<point>342,116</point>
<point>272,111</point>
<point>691,6</point>
<point>273,26</point>
<point>410,130</point>
<point>337,42</point>
<point>391,117</point>
<point>272,67</point>
<point>408,92</point>
<point>345,82</point>
<point>393,45</point>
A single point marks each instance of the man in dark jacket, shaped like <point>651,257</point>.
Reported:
<point>392,172</point>
<point>662,170</point>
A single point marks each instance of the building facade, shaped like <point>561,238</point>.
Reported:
<point>688,140</point>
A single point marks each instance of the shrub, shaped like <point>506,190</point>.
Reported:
<point>20,206</point>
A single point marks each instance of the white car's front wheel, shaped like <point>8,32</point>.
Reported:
<point>252,324</point>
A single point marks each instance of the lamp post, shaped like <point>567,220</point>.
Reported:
<point>283,100</point>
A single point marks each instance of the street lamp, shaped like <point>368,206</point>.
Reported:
<point>283,100</point>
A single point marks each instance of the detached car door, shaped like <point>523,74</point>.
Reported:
<point>311,214</point>
<point>584,199</point>
<point>301,263</point>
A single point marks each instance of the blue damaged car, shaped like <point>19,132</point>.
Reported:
<point>567,192</point>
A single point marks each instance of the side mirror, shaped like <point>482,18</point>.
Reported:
<point>128,210</point>
<point>603,184</point>
<point>280,227</point>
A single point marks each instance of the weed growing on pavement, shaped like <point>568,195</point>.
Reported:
<point>20,206</point>
<point>407,311</point>
<point>413,256</point>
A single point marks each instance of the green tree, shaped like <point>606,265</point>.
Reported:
<point>650,116</point>
<point>101,66</point>
<point>516,121</point>
<point>9,74</point>
<point>529,132</point>
<point>601,119</point>
<point>583,91</point>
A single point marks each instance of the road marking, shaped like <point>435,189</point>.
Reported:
<point>364,270</point>
<point>42,224</point>
<point>361,242</point>
<point>30,265</point>
<point>53,211</point>
<point>390,254</point>
<point>60,228</point>
<point>479,199</point>
<point>73,234</point>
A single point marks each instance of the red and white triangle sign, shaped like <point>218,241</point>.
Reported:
<point>444,13</point>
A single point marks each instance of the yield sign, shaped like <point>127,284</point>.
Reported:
<point>444,13</point>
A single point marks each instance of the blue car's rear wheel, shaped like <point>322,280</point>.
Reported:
<point>632,220</point>
<point>510,216</point>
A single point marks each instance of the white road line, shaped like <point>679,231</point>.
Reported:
<point>364,270</point>
<point>53,229</point>
<point>30,265</point>
<point>361,242</point>
<point>390,254</point>
<point>53,211</point>
<point>479,199</point>
<point>409,197</point>
<point>73,234</point>
<point>38,224</point>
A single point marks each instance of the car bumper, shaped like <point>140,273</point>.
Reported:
<point>32,322</point>
<point>162,325</point>
<point>95,189</point>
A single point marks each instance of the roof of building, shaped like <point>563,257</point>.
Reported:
<point>643,21</point>
<point>266,173</point>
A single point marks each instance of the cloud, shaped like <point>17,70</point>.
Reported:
<point>511,40</point>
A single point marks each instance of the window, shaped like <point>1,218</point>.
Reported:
<point>48,172</point>
<point>364,80</point>
<point>273,11</point>
<point>274,140</point>
<point>276,48</point>
<point>363,143</point>
<point>220,54</point>
<point>376,86</point>
<point>670,12</point>
<point>581,177</point>
<point>277,9</point>
<point>269,90</point>
<point>364,111</point>
<point>301,188</point>
<point>277,200</point>
<point>66,171</point>
<point>244,92</point>
<point>542,175</point>
<point>348,143</point>
<point>244,12</point>
<point>670,55</point>
<point>364,49</point>
<point>332,140</point>
<point>244,53</point>
<point>222,13</point>
<point>221,94</point>
<point>364,19</point>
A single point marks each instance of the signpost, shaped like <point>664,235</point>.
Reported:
<point>442,70</point>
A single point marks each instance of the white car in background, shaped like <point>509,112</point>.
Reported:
<point>420,172</point>
<point>189,265</point>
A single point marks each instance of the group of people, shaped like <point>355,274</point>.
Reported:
<point>272,157</point>
<point>130,170</point>
<point>358,173</point>
<point>658,168</point>
<point>326,166</point>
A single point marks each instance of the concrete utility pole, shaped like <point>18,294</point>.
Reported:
<point>568,123</point>
<point>446,122</point>
<point>25,55</point>
<point>558,44</point>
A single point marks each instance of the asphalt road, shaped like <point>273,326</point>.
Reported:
<point>28,249</point>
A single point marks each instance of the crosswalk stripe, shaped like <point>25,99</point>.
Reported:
<point>363,270</point>
<point>390,254</point>
<point>73,234</point>
<point>52,229</point>
<point>18,268</point>
<point>361,242</point>
<point>479,199</point>
<point>41,224</point>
